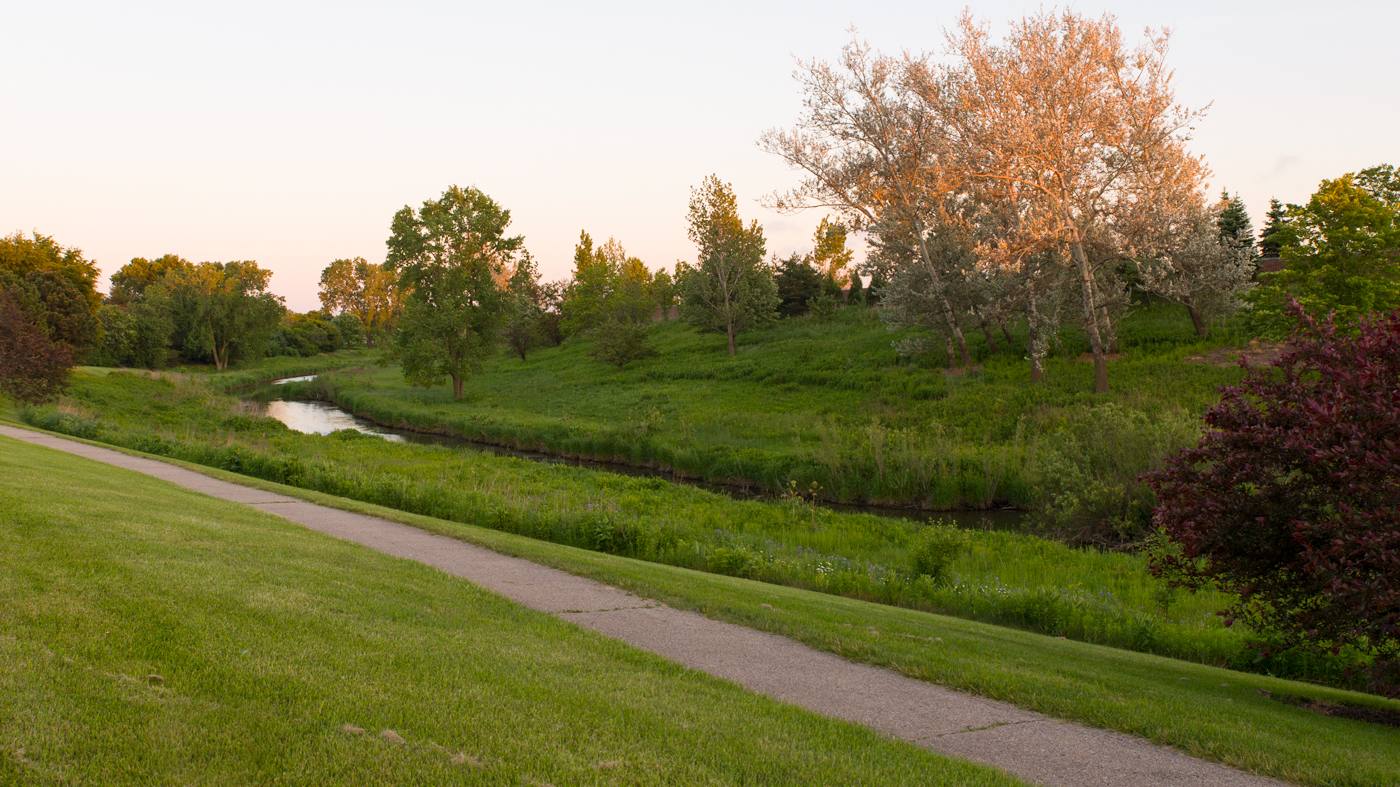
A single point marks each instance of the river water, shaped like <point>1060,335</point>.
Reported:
<point>313,417</point>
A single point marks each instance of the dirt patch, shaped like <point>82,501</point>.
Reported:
<point>1385,716</point>
<point>1256,353</point>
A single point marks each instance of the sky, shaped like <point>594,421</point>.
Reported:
<point>290,133</point>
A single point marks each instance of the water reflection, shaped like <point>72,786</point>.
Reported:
<point>311,417</point>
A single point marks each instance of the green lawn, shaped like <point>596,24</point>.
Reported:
<point>1212,713</point>
<point>153,635</point>
<point>1019,580</point>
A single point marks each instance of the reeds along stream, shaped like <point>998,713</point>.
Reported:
<point>906,456</point>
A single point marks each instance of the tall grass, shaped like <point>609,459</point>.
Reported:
<point>1018,580</point>
<point>830,407</point>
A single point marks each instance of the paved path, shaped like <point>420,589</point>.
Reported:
<point>1034,747</point>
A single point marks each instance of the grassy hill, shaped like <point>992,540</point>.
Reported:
<point>830,406</point>
<point>152,635</point>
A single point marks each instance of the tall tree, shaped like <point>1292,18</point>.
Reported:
<point>222,311</point>
<point>1073,131</point>
<point>594,276</point>
<point>1274,222</point>
<point>729,289</point>
<point>1234,224</point>
<point>362,288</point>
<point>871,150</point>
<point>524,310</point>
<point>829,252</point>
<point>447,257</point>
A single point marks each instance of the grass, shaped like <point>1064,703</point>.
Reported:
<point>1212,713</point>
<point>829,404</point>
<point>1005,578</point>
<point>153,635</point>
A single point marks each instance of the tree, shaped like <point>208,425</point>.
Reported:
<point>55,287</point>
<point>1233,222</point>
<point>1341,254</point>
<point>798,285</point>
<point>1200,263</point>
<point>1274,222</point>
<point>621,341</point>
<point>524,312</point>
<point>829,252</point>
<point>1074,135</point>
<point>447,257</point>
<point>222,311</point>
<point>663,292</point>
<point>133,279</point>
<point>33,367</point>
<point>729,289</point>
<point>594,276</point>
<point>1291,501</point>
<point>871,150</point>
<point>369,291</point>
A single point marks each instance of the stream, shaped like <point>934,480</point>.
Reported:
<point>316,417</point>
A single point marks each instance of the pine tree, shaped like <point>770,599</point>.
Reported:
<point>1234,223</point>
<point>1269,243</point>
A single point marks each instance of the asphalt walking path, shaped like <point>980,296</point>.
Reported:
<point>1034,747</point>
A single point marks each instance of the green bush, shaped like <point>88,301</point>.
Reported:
<point>934,550</point>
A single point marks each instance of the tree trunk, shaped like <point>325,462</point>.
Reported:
<point>1033,340</point>
<point>1091,322</point>
<point>1108,329</point>
<point>987,332</point>
<point>457,385</point>
<point>937,280</point>
<point>1202,330</point>
<point>730,333</point>
<point>1005,333</point>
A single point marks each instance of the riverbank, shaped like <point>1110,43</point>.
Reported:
<point>1004,578</point>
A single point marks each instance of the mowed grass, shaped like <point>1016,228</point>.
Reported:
<point>1020,580</point>
<point>1212,713</point>
<point>151,635</point>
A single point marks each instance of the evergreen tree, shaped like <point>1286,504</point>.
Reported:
<point>798,284</point>
<point>1234,223</point>
<point>1270,244</point>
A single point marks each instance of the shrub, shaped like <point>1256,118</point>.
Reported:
<point>1292,499</point>
<point>934,550</point>
<point>33,368</point>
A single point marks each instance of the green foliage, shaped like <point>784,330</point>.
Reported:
<point>593,280</point>
<point>446,257</point>
<point>221,311</point>
<point>798,284</point>
<point>729,290</point>
<point>1086,472</point>
<point>1233,222</point>
<point>55,287</point>
<point>1339,254</point>
<point>1270,242</point>
<point>824,307</point>
<point>620,342</point>
<point>935,549</point>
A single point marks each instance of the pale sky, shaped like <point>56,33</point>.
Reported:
<point>290,133</point>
